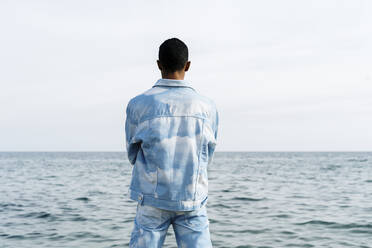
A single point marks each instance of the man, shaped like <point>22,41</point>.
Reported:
<point>171,134</point>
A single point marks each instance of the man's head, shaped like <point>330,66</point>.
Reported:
<point>173,57</point>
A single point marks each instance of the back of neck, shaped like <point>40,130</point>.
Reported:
<point>177,75</point>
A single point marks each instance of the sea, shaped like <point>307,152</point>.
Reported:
<point>256,199</point>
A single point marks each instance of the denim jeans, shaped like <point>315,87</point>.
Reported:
<point>151,224</point>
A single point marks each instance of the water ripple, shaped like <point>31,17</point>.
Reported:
<point>248,199</point>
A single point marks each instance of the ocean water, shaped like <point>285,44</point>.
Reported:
<point>273,199</point>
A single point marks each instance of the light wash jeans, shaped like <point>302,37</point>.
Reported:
<point>151,224</point>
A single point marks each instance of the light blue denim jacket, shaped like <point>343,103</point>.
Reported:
<point>171,135</point>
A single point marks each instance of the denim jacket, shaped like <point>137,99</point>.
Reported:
<point>171,135</point>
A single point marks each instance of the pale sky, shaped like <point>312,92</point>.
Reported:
<point>285,75</point>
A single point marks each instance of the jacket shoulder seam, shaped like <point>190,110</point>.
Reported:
<point>159,116</point>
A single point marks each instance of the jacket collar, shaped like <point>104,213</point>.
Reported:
<point>172,83</point>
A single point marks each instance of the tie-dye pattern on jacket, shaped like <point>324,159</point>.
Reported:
<point>171,135</point>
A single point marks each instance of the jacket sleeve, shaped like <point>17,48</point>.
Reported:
<point>212,145</point>
<point>130,131</point>
<point>216,125</point>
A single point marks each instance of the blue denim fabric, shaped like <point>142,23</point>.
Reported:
<point>171,135</point>
<point>151,224</point>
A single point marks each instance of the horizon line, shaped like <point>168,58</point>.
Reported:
<point>224,151</point>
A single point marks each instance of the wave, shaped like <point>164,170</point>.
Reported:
<point>336,225</point>
<point>16,236</point>
<point>357,160</point>
<point>220,205</point>
<point>253,231</point>
<point>79,218</point>
<point>281,216</point>
<point>316,222</point>
<point>85,199</point>
<point>9,204</point>
<point>248,199</point>
<point>40,215</point>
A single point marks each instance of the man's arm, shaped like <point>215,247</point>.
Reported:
<point>216,125</point>
<point>212,145</point>
<point>130,130</point>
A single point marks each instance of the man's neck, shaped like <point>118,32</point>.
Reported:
<point>177,75</point>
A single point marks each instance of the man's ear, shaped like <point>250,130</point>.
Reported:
<point>187,66</point>
<point>159,65</point>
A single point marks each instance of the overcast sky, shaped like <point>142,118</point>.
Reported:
<point>285,75</point>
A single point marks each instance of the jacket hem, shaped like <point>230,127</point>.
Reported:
<point>167,204</point>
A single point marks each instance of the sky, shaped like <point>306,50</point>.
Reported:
<point>285,75</point>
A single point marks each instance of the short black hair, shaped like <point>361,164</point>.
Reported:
<point>173,54</point>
